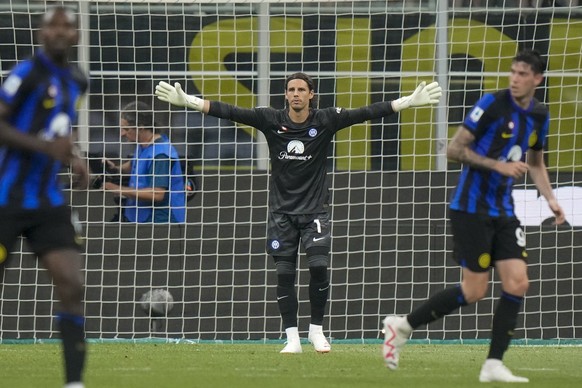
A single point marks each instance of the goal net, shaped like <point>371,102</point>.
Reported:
<point>389,179</point>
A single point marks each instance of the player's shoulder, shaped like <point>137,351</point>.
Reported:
<point>79,77</point>
<point>495,103</point>
<point>265,109</point>
<point>333,110</point>
<point>498,98</point>
<point>326,114</point>
<point>487,108</point>
<point>539,109</point>
<point>24,69</point>
<point>19,76</point>
<point>269,113</point>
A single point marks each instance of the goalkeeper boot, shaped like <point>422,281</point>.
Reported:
<point>317,339</point>
<point>396,332</point>
<point>293,344</point>
<point>494,371</point>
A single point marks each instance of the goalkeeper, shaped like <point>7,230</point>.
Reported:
<point>298,138</point>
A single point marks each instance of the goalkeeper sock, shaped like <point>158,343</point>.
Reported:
<point>318,293</point>
<point>437,306</point>
<point>504,322</point>
<point>287,300</point>
<point>74,347</point>
<point>292,334</point>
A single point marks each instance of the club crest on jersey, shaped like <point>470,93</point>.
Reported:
<point>476,114</point>
<point>312,132</point>
<point>52,91</point>
<point>338,110</point>
<point>275,244</point>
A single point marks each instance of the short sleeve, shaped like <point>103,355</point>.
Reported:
<point>538,141</point>
<point>478,118</point>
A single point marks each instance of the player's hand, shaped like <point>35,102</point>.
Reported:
<point>560,216</point>
<point>109,165</point>
<point>423,95</point>
<point>513,170</point>
<point>61,149</point>
<point>176,96</point>
<point>110,186</point>
<point>81,172</point>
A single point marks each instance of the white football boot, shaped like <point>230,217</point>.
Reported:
<point>293,344</point>
<point>494,371</point>
<point>396,332</point>
<point>317,339</point>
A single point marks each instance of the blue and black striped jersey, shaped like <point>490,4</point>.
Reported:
<point>42,98</point>
<point>503,131</point>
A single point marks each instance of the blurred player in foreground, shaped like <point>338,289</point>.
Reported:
<point>38,104</point>
<point>491,144</point>
<point>298,138</point>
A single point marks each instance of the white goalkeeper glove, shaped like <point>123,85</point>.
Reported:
<point>176,96</point>
<point>423,95</point>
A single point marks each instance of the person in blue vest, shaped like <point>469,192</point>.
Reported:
<point>156,188</point>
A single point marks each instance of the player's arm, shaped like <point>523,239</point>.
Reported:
<point>159,174</point>
<point>124,168</point>
<point>60,148</point>
<point>148,194</point>
<point>539,175</point>
<point>78,166</point>
<point>176,96</point>
<point>460,150</point>
<point>423,95</point>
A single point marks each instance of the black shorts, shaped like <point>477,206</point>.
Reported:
<point>45,230</point>
<point>480,240</point>
<point>284,231</point>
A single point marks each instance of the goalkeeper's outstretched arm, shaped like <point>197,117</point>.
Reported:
<point>423,95</point>
<point>176,96</point>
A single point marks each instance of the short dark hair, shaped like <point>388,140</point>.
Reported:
<point>138,114</point>
<point>533,59</point>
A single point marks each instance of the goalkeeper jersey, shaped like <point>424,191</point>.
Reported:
<point>298,151</point>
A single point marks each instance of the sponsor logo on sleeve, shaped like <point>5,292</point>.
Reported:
<point>476,114</point>
<point>11,85</point>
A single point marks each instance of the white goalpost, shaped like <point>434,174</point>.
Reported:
<point>389,179</point>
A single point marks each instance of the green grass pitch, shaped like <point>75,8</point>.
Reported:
<point>251,365</point>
